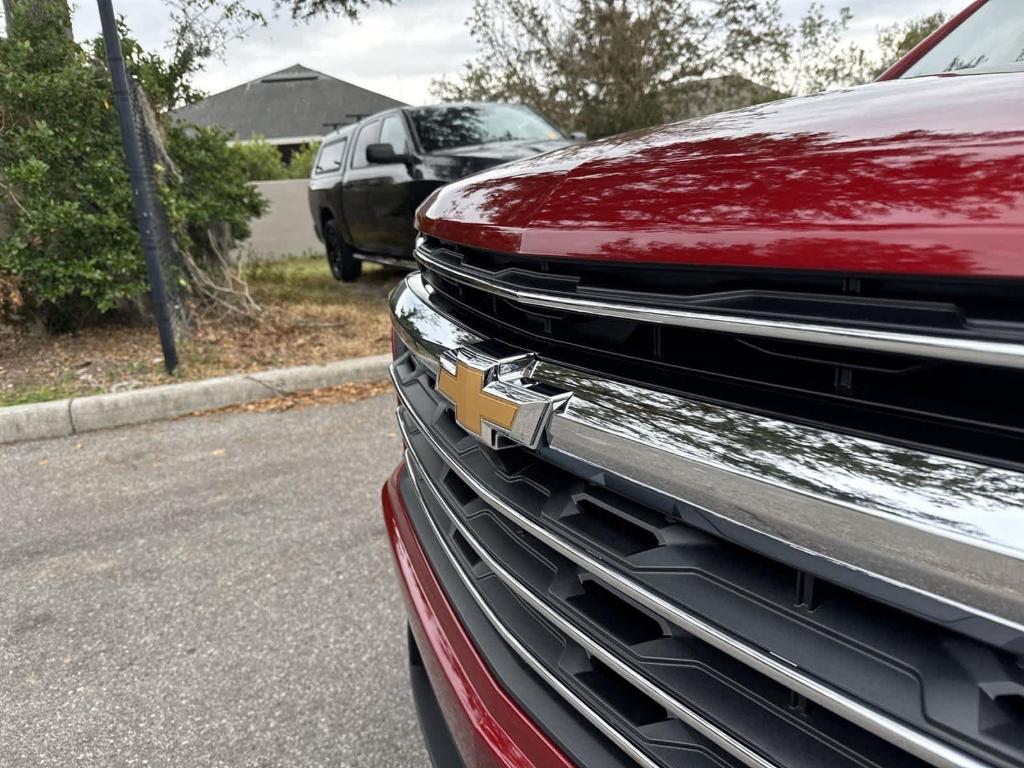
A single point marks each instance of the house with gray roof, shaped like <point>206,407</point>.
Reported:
<point>289,108</point>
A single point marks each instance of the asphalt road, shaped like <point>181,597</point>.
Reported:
<point>213,591</point>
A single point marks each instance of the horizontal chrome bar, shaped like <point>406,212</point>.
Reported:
<point>949,529</point>
<point>961,350</point>
<point>590,714</point>
<point>672,703</point>
<point>921,745</point>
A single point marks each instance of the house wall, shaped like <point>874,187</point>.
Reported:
<point>287,228</point>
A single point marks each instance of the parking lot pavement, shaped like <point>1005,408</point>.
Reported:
<point>213,591</point>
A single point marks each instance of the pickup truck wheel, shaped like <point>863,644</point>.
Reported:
<point>344,266</point>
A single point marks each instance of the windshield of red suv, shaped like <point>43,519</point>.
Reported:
<point>447,127</point>
<point>990,40</point>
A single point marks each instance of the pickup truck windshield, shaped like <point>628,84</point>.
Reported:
<point>990,40</point>
<point>441,128</point>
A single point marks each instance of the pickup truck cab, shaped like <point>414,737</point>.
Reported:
<point>714,442</point>
<point>369,178</point>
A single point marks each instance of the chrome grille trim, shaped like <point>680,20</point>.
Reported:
<point>593,717</point>
<point>995,353</point>
<point>898,515</point>
<point>781,671</point>
<point>679,709</point>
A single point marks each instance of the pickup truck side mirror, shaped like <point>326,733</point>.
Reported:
<point>578,136</point>
<point>385,154</point>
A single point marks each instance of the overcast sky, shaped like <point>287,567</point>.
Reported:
<point>398,50</point>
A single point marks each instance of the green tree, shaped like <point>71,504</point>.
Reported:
<point>55,11</point>
<point>260,159</point>
<point>210,24</point>
<point>166,81</point>
<point>809,56</point>
<point>69,242</point>
<point>200,30</point>
<point>305,10</point>
<point>210,188</point>
<point>897,40</point>
<point>66,194</point>
<point>606,66</point>
<point>301,165</point>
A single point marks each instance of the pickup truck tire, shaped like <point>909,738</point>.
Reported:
<point>344,265</point>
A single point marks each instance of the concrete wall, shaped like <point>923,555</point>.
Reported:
<point>287,228</point>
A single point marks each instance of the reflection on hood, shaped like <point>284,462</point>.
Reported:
<point>503,151</point>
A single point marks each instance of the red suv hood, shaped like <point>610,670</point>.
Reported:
<point>906,176</point>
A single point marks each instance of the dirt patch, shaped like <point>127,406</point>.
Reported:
<point>308,318</point>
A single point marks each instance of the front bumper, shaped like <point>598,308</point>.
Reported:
<point>485,725</point>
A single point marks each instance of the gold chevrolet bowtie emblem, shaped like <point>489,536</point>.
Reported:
<point>496,399</point>
<point>472,404</point>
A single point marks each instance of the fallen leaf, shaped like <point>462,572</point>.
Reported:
<point>342,393</point>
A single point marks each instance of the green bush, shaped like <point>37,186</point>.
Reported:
<point>260,159</point>
<point>68,240</point>
<point>301,165</point>
<point>263,162</point>
<point>71,241</point>
<point>213,187</point>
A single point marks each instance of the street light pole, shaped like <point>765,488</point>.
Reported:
<point>142,195</point>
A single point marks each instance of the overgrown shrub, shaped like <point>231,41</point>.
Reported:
<point>66,196</point>
<point>263,162</point>
<point>260,159</point>
<point>213,188</point>
<point>69,242</point>
<point>301,165</point>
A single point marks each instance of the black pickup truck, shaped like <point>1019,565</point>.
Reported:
<point>370,177</point>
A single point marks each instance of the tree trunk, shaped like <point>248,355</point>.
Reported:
<point>41,9</point>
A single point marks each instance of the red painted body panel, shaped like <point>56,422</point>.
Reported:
<point>917,176</point>
<point>489,728</point>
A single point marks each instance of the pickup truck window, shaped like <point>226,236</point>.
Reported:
<point>990,40</point>
<point>441,128</point>
<point>330,157</point>
<point>367,135</point>
<point>393,132</point>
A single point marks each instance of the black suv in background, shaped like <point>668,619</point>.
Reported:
<point>369,178</point>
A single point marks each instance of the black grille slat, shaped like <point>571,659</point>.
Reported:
<point>634,706</point>
<point>582,743</point>
<point>625,536</point>
<point>574,667</point>
<point>758,709</point>
<point>986,305</point>
<point>617,616</point>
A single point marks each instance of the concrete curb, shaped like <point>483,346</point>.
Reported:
<point>61,418</point>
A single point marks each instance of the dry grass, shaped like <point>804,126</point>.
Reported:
<point>308,318</point>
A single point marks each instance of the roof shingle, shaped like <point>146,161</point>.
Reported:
<point>294,103</point>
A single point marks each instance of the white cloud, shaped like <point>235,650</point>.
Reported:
<point>394,50</point>
<point>397,50</point>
